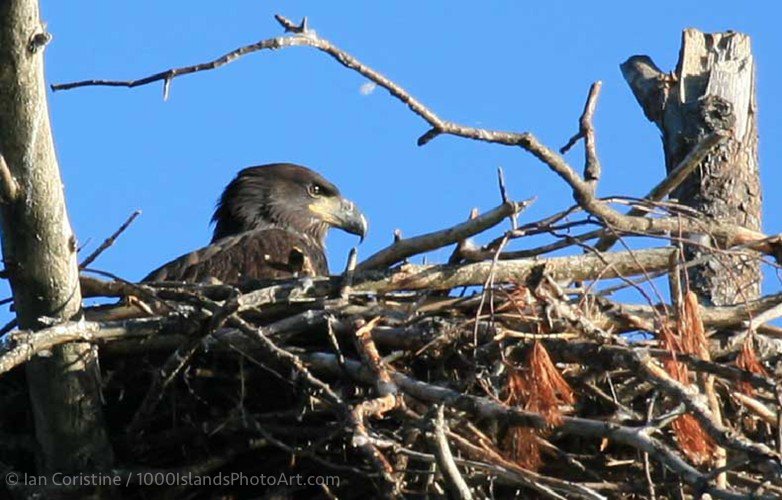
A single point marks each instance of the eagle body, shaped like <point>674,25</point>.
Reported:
<point>270,253</point>
<point>270,223</point>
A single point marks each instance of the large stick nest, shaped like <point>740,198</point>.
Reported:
<point>525,387</point>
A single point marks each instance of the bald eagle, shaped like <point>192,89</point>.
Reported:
<point>271,222</point>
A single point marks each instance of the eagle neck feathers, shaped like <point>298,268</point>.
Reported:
<point>249,206</point>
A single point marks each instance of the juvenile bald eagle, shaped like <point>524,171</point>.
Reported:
<point>271,222</point>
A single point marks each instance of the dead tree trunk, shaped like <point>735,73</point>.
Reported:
<point>39,251</point>
<point>712,90</point>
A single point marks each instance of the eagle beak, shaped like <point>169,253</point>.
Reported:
<point>349,218</point>
<point>341,213</point>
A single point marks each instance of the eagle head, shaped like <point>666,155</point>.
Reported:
<point>287,196</point>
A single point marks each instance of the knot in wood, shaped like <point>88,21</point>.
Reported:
<point>38,41</point>
<point>716,113</point>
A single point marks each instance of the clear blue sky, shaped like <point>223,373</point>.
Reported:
<point>522,66</point>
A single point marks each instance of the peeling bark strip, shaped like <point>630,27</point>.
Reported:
<point>712,90</point>
<point>39,250</point>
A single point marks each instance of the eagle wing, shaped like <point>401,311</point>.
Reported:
<point>270,253</point>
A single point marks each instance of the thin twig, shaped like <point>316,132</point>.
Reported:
<point>506,198</point>
<point>586,131</point>
<point>109,241</point>
<point>350,271</point>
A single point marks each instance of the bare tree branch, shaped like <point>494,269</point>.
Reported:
<point>587,132</point>
<point>403,248</point>
<point>577,268</point>
<point>109,241</point>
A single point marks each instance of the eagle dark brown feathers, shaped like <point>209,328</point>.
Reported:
<point>272,253</point>
<point>270,222</point>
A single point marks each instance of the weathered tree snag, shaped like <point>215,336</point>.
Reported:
<point>39,250</point>
<point>712,90</point>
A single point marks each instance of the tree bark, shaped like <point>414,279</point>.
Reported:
<point>712,90</point>
<point>39,250</point>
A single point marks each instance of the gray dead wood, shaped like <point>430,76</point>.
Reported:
<point>39,249</point>
<point>576,268</point>
<point>711,91</point>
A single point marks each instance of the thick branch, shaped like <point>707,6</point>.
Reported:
<point>649,85</point>
<point>416,277</point>
<point>576,268</point>
<point>404,248</point>
<point>20,347</point>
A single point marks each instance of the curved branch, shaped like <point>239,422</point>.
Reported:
<point>403,248</point>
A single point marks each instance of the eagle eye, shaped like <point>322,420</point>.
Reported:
<point>315,190</point>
